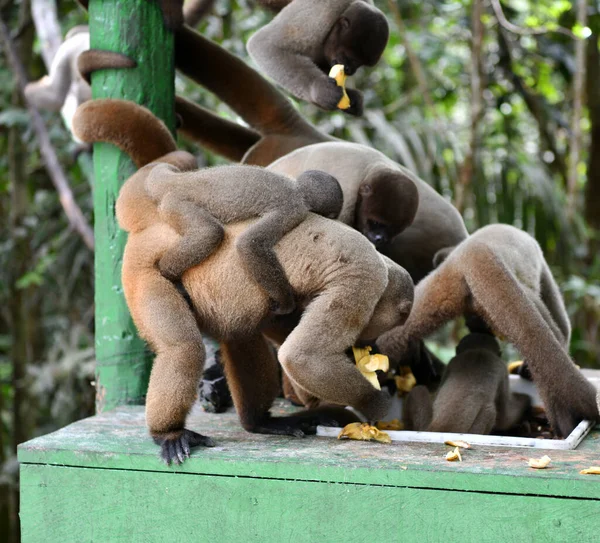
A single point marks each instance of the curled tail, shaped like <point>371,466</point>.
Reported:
<point>129,126</point>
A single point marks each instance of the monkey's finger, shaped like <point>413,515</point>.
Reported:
<point>198,440</point>
<point>179,451</point>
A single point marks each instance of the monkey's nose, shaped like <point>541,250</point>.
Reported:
<point>376,238</point>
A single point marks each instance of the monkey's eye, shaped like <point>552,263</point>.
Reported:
<point>374,225</point>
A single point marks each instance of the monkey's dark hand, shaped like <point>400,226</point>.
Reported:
<point>356,102</point>
<point>569,406</point>
<point>325,93</point>
<point>376,406</point>
<point>177,449</point>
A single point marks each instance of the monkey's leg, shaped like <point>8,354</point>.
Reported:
<point>417,409</point>
<point>511,410</point>
<point>553,300</point>
<point>314,356</point>
<point>201,235</point>
<point>440,297</point>
<point>253,378</point>
<point>567,395</point>
<point>256,245</point>
<point>167,323</point>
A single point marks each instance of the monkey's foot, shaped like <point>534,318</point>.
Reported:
<point>177,449</point>
<point>294,425</point>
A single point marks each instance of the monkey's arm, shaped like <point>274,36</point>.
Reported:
<point>553,300</point>
<point>417,409</point>
<point>567,395</point>
<point>440,297</point>
<point>294,71</point>
<point>317,362</point>
<point>164,319</point>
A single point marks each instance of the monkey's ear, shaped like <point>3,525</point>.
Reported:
<point>343,23</point>
<point>365,189</point>
<point>441,255</point>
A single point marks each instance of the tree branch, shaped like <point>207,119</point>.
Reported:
<point>505,23</point>
<point>468,166</point>
<point>53,167</point>
<point>578,90</point>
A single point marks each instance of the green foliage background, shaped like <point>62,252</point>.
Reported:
<point>519,177</point>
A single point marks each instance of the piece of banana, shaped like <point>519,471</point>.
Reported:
<point>337,73</point>
<point>368,363</point>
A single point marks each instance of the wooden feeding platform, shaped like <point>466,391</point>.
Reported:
<point>100,479</point>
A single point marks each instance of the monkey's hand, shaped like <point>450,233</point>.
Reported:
<point>325,93</point>
<point>177,449</point>
<point>568,407</point>
<point>376,406</point>
<point>283,307</point>
<point>356,103</point>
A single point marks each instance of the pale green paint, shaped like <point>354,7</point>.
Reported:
<point>133,27</point>
<point>119,440</point>
<point>81,504</point>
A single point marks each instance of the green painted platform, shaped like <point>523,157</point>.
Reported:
<point>100,480</point>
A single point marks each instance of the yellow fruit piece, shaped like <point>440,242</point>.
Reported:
<point>458,443</point>
<point>368,364</point>
<point>514,366</point>
<point>594,470</point>
<point>540,463</point>
<point>361,431</point>
<point>454,455</point>
<point>393,424</point>
<point>406,381</point>
<point>337,73</point>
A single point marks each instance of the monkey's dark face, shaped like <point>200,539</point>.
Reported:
<point>386,205</point>
<point>357,38</point>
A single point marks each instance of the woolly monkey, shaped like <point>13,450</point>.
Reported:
<point>300,45</point>
<point>474,395</point>
<point>343,288</point>
<point>499,274</point>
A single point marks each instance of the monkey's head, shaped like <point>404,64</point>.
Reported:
<point>321,192</point>
<point>357,38</point>
<point>387,204</point>
<point>395,303</point>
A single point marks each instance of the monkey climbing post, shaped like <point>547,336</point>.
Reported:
<point>135,28</point>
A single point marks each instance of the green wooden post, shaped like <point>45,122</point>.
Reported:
<point>135,28</point>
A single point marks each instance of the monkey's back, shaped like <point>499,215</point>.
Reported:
<point>314,255</point>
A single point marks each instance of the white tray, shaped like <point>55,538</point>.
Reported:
<point>517,384</point>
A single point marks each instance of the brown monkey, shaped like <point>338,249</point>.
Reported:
<point>380,201</point>
<point>300,45</point>
<point>198,203</point>
<point>417,409</point>
<point>474,395</point>
<point>344,291</point>
<point>499,274</point>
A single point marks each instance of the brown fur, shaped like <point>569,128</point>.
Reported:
<point>345,290</point>
<point>198,203</point>
<point>499,273</point>
<point>417,409</point>
<point>300,45</point>
<point>474,396</point>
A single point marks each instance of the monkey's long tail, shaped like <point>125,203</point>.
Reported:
<point>129,126</point>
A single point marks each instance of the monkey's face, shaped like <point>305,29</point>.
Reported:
<point>393,308</point>
<point>386,205</point>
<point>357,38</point>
